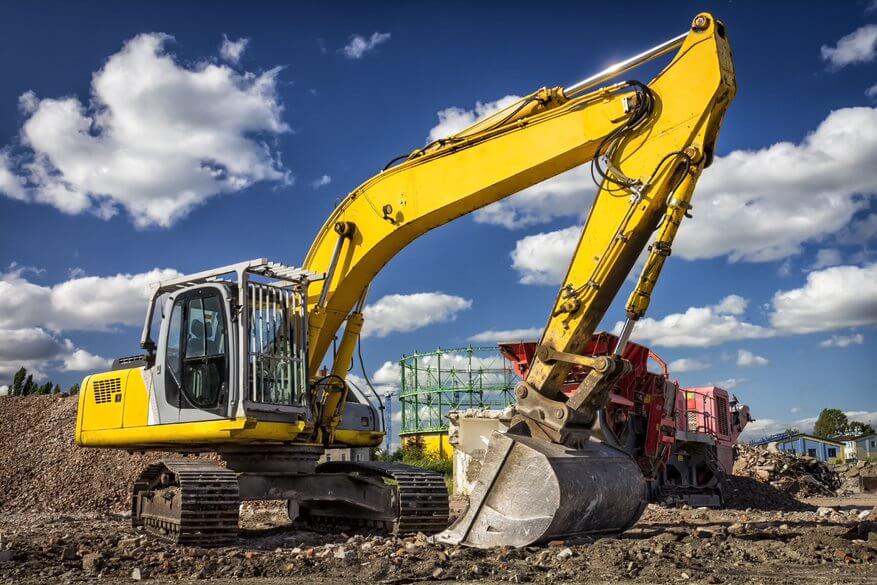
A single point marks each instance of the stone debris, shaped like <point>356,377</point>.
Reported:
<point>63,519</point>
<point>853,474</point>
<point>800,476</point>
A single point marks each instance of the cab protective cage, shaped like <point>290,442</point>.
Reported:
<point>269,315</point>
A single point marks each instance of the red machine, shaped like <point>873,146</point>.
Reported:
<point>681,438</point>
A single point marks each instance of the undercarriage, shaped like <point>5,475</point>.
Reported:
<point>197,502</point>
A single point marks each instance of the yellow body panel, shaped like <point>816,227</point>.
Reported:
<point>348,438</point>
<point>435,445</point>
<point>114,410</point>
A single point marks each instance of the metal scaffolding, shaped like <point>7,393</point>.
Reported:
<point>445,380</point>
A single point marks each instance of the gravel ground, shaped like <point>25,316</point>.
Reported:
<point>62,521</point>
<point>836,544</point>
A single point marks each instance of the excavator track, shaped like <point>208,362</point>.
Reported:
<point>188,503</point>
<point>420,500</point>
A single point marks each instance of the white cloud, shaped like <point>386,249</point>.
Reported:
<point>493,335</point>
<point>775,198</point>
<point>81,361</point>
<point>860,46</point>
<point>4,390</point>
<point>699,326</point>
<point>321,181</point>
<point>83,303</point>
<point>731,305</point>
<point>779,197</point>
<point>729,384</point>
<point>843,340</point>
<point>833,298</point>
<point>359,45</point>
<point>795,409</point>
<point>747,359</point>
<point>827,257</point>
<point>388,373</point>
<point>38,350</point>
<point>157,139</point>
<point>231,51</point>
<point>11,184</point>
<point>33,316</point>
<point>453,120</point>
<point>544,258</point>
<point>871,92</point>
<point>687,365</point>
<point>403,313</point>
<point>860,232</point>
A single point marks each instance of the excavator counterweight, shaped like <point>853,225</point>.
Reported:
<point>238,367</point>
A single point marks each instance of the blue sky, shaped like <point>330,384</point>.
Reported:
<point>105,124</point>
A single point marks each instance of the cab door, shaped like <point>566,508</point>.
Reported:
<point>196,353</point>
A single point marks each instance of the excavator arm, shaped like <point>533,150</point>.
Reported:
<point>648,144</point>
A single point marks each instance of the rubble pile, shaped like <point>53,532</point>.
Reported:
<point>41,469</point>
<point>852,474</point>
<point>800,476</point>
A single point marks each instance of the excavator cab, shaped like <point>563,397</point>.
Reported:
<point>225,362</point>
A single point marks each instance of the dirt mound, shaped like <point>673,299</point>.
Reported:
<point>41,468</point>
<point>800,476</point>
<point>742,493</point>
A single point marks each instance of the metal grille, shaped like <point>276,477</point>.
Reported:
<point>104,389</point>
<point>276,359</point>
<point>722,415</point>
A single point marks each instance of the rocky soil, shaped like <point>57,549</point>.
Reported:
<point>63,520</point>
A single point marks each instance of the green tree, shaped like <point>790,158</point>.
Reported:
<point>29,387</point>
<point>18,382</point>
<point>831,423</point>
<point>857,429</point>
<point>56,389</point>
<point>791,431</point>
<point>74,389</point>
<point>45,388</point>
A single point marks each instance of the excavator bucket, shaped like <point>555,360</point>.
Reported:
<point>532,491</point>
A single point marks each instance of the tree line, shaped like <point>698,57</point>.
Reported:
<point>23,384</point>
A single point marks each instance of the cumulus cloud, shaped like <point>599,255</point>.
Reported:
<point>82,303</point>
<point>39,350</point>
<point>860,46</point>
<point>543,258</point>
<point>728,384</point>
<point>388,373</point>
<point>452,120</point>
<point>833,298</point>
<point>34,316</point>
<point>843,340</point>
<point>779,197</point>
<point>871,92</point>
<point>11,184</point>
<point>496,335</point>
<point>358,45</point>
<point>321,181</point>
<point>776,198</point>
<point>403,313</point>
<point>232,51</point>
<point>157,139</point>
<point>827,257</point>
<point>747,359</point>
<point>699,326</point>
<point>687,365</point>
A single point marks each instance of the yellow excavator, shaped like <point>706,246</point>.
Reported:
<point>232,362</point>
